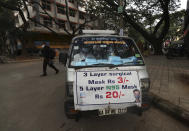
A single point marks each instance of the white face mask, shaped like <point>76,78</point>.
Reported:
<point>43,46</point>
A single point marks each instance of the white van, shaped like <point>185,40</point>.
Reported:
<point>105,73</point>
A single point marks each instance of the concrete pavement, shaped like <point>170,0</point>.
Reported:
<point>169,80</point>
<point>29,102</point>
<point>170,84</point>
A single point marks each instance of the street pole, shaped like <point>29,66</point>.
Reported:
<point>120,10</point>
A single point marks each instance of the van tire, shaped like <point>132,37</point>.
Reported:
<point>68,105</point>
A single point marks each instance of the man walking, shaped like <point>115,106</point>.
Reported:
<point>48,55</point>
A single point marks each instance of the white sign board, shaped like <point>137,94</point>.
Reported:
<point>94,89</point>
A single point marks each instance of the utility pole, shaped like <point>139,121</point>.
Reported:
<point>36,8</point>
<point>120,11</point>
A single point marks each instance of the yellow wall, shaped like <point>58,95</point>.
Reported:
<point>56,41</point>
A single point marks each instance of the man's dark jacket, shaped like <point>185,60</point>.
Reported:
<point>46,52</point>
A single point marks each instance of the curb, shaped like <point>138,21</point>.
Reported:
<point>175,111</point>
<point>22,61</point>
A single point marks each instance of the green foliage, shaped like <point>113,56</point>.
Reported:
<point>144,12</point>
<point>81,3</point>
<point>176,26</point>
<point>6,20</point>
<point>7,26</point>
<point>135,35</point>
<point>148,17</point>
<point>16,3</point>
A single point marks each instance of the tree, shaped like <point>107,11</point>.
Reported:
<point>23,5</point>
<point>150,18</point>
<point>6,28</point>
<point>176,25</point>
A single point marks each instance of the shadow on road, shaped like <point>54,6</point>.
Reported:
<point>182,77</point>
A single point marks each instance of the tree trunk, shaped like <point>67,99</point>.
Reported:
<point>157,47</point>
<point>23,42</point>
<point>157,44</point>
<point>24,51</point>
<point>3,42</point>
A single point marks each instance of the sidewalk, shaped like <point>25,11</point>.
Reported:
<point>170,80</point>
<point>21,59</point>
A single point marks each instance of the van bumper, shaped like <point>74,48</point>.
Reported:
<point>72,113</point>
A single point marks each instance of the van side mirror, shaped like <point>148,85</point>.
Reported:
<point>63,58</point>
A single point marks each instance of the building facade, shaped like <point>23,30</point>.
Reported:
<point>40,10</point>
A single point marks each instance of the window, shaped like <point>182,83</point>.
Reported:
<point>71,1</point>
<point>73,25</point>
<point>72,12</point>
<point>61,24</point>
<point>36,23</point>
<point>47,21</point>
<point>61,9</point>
<point>81,15</point>
<point>46,5</point>
<point>81,27</point>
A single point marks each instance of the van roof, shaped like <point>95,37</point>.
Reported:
<point>86,35</point>
<point>99,32</point>
<point>80,36</point>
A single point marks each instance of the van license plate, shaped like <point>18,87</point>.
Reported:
<point>103,112</point>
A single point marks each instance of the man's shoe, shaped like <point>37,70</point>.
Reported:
<point>57,71</point>
<point>43,75</point>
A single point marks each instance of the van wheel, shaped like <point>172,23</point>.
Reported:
<point>69,110</point>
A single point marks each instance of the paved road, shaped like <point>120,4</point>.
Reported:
<point>29,102</point>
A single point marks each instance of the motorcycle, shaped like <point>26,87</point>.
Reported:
<point>176,49</point>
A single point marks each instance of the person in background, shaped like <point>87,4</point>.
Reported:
<point>140,46</point>
<point>145,49</point>
<point>62,56</point>
<point>81,54</point>
<point>47,53</point>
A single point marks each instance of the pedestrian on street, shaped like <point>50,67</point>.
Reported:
<point>48,56</point>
